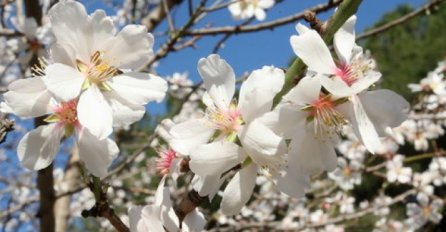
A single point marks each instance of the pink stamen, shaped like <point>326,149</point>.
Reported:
<point>164,162</point>
<point>67,113</point>
<point>326,117</point>
<point>227,121</point>
<point>347,74</point>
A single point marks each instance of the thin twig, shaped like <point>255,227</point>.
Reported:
<point>264,26</point>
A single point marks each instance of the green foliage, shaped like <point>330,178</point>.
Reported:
<point>407,52</point>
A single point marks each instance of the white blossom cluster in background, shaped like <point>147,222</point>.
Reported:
<point>333,153</point>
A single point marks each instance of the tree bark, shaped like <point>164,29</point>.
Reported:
<point>70,179</point>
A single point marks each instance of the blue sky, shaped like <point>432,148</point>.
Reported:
<point>247,52</point>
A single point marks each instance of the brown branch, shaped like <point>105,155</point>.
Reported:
<point>425,8</point>
<point>190,201</point>
<point>156,16</point>
<point>102,207</point>
<point>45,184</point>
<point>45,178</point>
<point>169,45</point>
<point>264,26</point>
<point>6,126</point>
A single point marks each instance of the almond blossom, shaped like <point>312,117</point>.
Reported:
<point>227,122</point>
<point>396,172</point>
<point>423,212</point>
<point>36,150</point>
<point>95,63</point>
<point>312,120</point>
<point>245,9</point>
<point>349,77</point>
<point>34,41</point>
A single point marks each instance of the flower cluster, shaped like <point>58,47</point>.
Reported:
<point>236,140</point>
<point>333,120</point>
<point>89,86</point>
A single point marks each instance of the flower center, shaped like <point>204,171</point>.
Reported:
<point>326,118</point>
<point>34,45</point>
<point>97,71</point>
<point>65,114</point>
<point>164,162</point>
<point>427,211</point>
<point>347,74</point>
<point>357,68</point>
<point>226,121</point>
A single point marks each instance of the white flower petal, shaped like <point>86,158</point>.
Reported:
<point>124,112</point>
<point>69,25</point>
<point>305,92</point>
<point>193,222</point>
<point>63,53</point>
<point>37,149</point>
<point>263,146</point>
<point>97,154</point>
<point>384,108</point>
<point>310,47</point>
<point>207,185</point>
<point>258,91</point>
<point>28,97</point>
<point>139,88</point>
<point>363,83</point>
<point>102,28</point>
<point>27,26</point>
<point>131,47</point>
<point>218,78</point>
<point>310,154</point>
<point>265,4</point>
<point>260,14</point>
<point>167,213</point>
<point>294,184</point>
<point>344,40</point>
<point>361,124</point>
<point>63,81</point>
<point>94,112</point>
<point>284,120</point>
<point>336,86</point>
<point>142,219</point>
<point>239,190</point>
<point>189,134</point>
<point>215,158</point>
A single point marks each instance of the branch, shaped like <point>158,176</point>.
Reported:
<point>264,26</point>
<point>154,18</point>
<point>102,207</point>
<point>6,126</point>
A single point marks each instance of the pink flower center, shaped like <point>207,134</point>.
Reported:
<point>347,73</point>
<point>326,117</point>
<point>164,162</point>
<point>226,120</point>
<point>66,112</point>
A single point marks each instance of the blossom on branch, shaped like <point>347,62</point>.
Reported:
<point>36,150</point>
<point>350,76</point>
<point>225,123</point>
<point>94,63</point>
